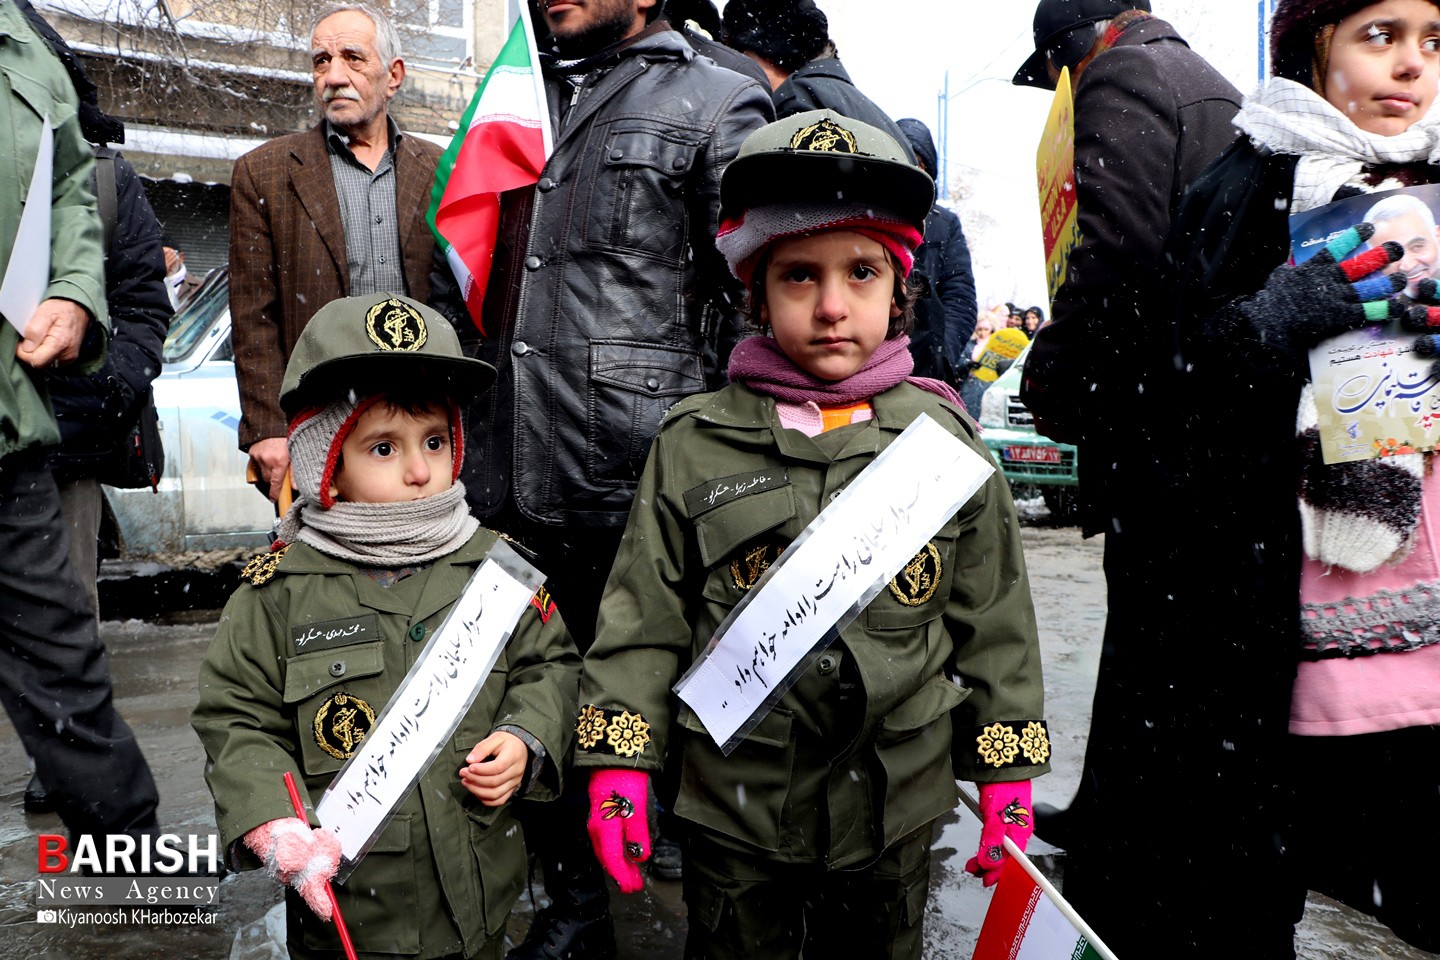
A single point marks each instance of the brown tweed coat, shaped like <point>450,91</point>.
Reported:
<point>287,256</point>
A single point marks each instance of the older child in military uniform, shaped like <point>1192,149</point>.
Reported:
<point>814,833</point>
<point>377,548</point>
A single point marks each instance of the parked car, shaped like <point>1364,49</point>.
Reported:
<point>203,501</point>
<point>1025,457</point>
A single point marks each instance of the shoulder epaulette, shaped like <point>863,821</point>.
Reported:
<point>263,566</point>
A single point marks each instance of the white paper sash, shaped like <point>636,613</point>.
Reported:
<point>822,581</point>
<point>423,714</point>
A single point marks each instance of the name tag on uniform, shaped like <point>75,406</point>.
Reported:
<point>309,637</point>
<point>714,493</point>
<point>822,581</point>
<point>427,708</point>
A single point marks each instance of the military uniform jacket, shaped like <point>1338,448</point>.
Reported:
<point>277,695</point>
<point>937,679</point>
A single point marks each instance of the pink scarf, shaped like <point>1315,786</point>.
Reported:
<point>760,364</point>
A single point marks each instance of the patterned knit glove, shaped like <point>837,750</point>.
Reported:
<point>619,825</point>
<point>1423,317</point>
<point>301,857</point>
<point>1004,812</point>
<point>1327,294</point>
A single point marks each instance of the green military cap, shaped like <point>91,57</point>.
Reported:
<point>363,345</point>
<point>822,157</point>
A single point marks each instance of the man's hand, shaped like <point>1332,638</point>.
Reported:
<point>495,768</point>
<point>271,458</point>
<point>53,335</point>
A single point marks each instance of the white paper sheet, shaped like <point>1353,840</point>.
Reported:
<point>27,275</point>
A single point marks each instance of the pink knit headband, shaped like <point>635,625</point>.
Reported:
<point>742,241</point>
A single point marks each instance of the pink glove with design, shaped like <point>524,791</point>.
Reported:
<point>297,855</point>
<point>1004,812</point>
<point>619,825</point>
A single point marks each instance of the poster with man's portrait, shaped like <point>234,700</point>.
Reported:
<point>1374,395</point>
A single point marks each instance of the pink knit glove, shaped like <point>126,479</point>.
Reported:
<point>1004,812</point>
<point>299,856</point>
<point>619,825</point>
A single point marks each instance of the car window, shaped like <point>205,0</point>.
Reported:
<point>189,327</point>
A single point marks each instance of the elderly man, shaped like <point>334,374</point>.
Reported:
<point>607,303</point>
<point>336,211</point>
<point>54,674</point>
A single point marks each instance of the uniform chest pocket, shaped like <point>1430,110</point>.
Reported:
<point>335,695</point>
<point>739,541</point>
<point>918,593</point>
<point>637,201</point>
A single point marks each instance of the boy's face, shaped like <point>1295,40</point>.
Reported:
<point>392,456</point>
<point>1384,65</point>
<point>829,299</point>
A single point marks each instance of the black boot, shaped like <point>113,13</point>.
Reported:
<point>569,934</point>
<point>577,924</point>
<point>37,798</point>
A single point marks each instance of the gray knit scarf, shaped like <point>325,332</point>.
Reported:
<point>384,534</point>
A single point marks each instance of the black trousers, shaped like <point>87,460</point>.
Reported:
<point>745,907</point>
<point>1367,826</point>
<point>54,672</point>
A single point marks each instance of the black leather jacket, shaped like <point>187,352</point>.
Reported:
<point>617,305</point>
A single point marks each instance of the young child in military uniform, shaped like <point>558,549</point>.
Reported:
<point>814,833</point>
<point>376,549</point>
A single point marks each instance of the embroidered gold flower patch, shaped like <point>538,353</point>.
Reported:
<point>591,726</point>
<point>999,745</point>
<point>620,732</point>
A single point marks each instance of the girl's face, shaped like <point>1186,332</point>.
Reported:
<point>829,300</point>
<point>1384,65</point>
<point>983,329</point>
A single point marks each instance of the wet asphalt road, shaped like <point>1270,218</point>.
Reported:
<point>155,664</point>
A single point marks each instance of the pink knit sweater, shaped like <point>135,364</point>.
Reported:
<point>1394,605</point>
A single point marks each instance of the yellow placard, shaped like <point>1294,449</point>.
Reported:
<point>1055,173</point>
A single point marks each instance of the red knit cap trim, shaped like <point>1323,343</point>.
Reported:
<point>457,441</point>
<point>333,456</point>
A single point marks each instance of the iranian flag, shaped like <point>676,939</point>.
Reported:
<point>503,142</point>
<point>1028,920</point>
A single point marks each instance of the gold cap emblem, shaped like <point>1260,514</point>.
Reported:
<point>395,325</point>
<point>825,136</point>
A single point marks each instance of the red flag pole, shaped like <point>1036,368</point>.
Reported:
<point>340,927</point>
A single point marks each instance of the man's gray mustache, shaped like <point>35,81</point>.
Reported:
<point>339,93</point>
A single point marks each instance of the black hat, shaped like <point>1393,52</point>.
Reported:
<point>364,344</point>
<point>787,33</point>
<point>1058,35</point>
